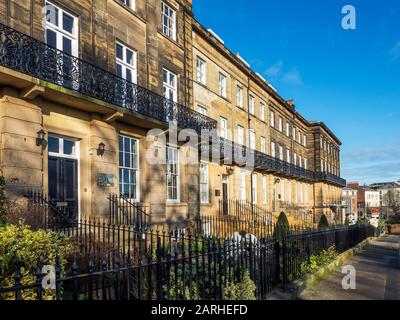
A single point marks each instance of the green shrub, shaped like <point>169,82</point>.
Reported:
<point>183,290</point>
<point>282,226</point>
<point>319,260</point>
<point>3,201</point>
<point>20,243</point>
<point>244,290</point>
<point>395,219</point>
<point>323,222</point>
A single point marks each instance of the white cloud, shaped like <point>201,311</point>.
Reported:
<point>275,70</point>
<point>395,51</point>
<point>277,73</point>
<point>293,77</point>
<point>371,164</point>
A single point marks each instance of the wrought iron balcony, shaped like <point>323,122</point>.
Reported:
<point>324,176</point>
<point>230,152</point>
<point>32,57</point>
<point>234,153</point>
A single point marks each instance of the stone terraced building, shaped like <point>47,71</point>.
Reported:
<point>83,83</point>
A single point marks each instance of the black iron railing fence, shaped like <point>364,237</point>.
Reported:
<point>160,265</point>
<point>124,211</point>
<point>226,226</point>
<point>44,214</point>
<point>242,208</point>
<point>33,57</point>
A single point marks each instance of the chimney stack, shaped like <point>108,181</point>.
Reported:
<point>290,103</point>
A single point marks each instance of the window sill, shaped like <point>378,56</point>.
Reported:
<point>206,204</point>
<point>175,42</point>
<point>176,204</point>
<point>130,10</point>
<point>214,92</point>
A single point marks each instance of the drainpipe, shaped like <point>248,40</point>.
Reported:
<point>8,13</point>
<point>184,58</point>
<point>249,126</point>
<point>315,171</point>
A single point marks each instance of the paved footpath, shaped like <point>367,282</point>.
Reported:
<point>377,278</point>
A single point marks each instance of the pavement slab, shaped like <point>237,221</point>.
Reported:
<point>377,275</point>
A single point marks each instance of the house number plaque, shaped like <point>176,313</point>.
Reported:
<point>105,180</point>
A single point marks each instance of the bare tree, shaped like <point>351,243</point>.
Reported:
<point>392,200</point>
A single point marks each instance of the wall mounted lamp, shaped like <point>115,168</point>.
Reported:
<point>41,139</point>
<point>101,149</point>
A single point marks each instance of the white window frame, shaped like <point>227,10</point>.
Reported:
<point>288,129</point>
<point>60,153</point>
<point>223,127</point>
<point>222,84</point>
<point>251,105</point>
<point>263,145</point>
<point>76,156</point>
<point>60,32</point>
<point>240,135</point>
<point>294,132</point>
<point>168,87</point>
<point>264,189</point>
<point>280,124</point>
<point>252,139</point>
<point>242,177</point>
<point>239,96</point>
<point>282,189</point>
<point>204,183</point>
<point>131,4</point>
<point>304,140</point>
<point>135,170</point>
<point>273,150</point>
<point>280,152</point>
<point>169,14</point>
<point>176,174</point>
<point>288,155</point>
<point>202,110</point>
<point>262,111</point>
<point>272,119</point>
<point>201,70</point>
<point>254,187</point>
<point>295,158</point>
<point>125,66</point>
<point>298,193</point>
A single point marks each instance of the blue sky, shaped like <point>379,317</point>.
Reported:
<point>350,79</point>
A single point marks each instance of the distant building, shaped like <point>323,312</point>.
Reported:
<point>372,199</point>
<point>350,201</point>
<point>360,193</point>
<point>383,188</point>
<point>368,199</point>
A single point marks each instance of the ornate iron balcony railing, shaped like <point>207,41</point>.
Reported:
<point>324,176</point>
<point>229,152</point>
<point>30,56</point>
